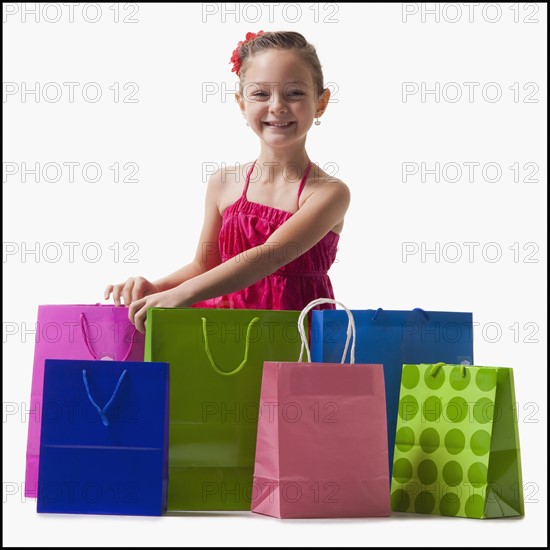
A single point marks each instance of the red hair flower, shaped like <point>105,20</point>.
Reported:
<point>235,57</point>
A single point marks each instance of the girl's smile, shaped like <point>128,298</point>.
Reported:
<point>278,125</point>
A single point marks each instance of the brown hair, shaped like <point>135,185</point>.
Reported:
<point>282,40</point>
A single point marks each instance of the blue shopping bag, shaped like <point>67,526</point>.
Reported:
<point>104,438</point>
<point>394,338</point>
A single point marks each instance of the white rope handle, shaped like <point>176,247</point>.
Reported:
<point>350,331</point>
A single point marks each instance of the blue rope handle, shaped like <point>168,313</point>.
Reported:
<point>101,411</point>
<point>376,313</point>
<point>418,309</point>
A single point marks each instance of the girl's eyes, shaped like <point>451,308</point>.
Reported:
<point>294,94</point>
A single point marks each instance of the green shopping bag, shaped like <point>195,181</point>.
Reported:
<point>457,443</point>
<point>216,361</point>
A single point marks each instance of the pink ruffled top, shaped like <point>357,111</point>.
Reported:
<point>246,225</point>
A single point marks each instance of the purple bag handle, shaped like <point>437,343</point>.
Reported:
<point>84,328</point>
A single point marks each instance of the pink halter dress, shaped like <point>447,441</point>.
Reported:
<point>248,224</point>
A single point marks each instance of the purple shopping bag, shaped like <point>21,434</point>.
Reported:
<point>75,332</point>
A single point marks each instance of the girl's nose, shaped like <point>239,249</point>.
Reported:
<point>278,104</point>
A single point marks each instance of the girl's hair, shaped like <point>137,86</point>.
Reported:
<point>292,41</point>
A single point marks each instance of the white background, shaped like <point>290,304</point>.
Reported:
<point>367,52</point>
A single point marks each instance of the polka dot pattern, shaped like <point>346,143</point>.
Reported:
<point>404,439</point>
<point>424,503</point>
<point>411,377</point>
<point>402,470</point>
<point>484,410</point>
<point>454,441</point>
<point>408,407</point>
<point>457,380</point>
<point>429,440</point>
<point>443,440</point>
<point>432,408</point>
<point>427,472</point>
<point>456,409</point>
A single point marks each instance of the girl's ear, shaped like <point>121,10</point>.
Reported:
<point>322,104</point>
<point>239,99</point>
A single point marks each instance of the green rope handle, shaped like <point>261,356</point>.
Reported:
<point>211,358</point>
<point>435,369</point>
<point>437,366</point>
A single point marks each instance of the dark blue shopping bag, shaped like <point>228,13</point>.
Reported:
<point>394,338</point>
<point>104,439</point>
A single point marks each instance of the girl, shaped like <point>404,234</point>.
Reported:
<point>269,244</point>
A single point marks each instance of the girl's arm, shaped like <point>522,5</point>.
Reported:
<point>207,255</point>
<point>322,211</point>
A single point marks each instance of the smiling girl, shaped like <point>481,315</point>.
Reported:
<point>270,243</point>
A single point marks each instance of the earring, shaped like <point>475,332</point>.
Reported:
<point>246,122</point>
<point>317,121</point>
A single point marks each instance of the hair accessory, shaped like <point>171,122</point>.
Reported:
<point>235,57</point>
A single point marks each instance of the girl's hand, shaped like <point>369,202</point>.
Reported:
<point>169,298</point>
<point>133,289</point>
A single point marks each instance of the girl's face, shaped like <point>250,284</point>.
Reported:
<point>279,99</point>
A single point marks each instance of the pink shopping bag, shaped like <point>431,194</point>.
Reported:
<point>322,447</point>
<point>74,332</point>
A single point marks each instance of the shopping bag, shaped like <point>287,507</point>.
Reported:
<point>74,332</point>
<point>457,447</point>
<point>104,439</point>
<point>322,448</point>
<point>394,338</point>
<point>216,359</point>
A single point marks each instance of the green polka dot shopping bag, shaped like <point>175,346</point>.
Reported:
<point>457,445</point>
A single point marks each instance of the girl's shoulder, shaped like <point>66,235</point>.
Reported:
<point>320,181</point>
<point>227,175</point>
<point>227,184</point>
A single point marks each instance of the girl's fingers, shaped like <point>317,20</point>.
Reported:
<point>107,292</point>
<point>127,292</point>
<point>137,312</point>
<point>132,310</point>
<point>140,317</point>
<point>116,293</point>
<point>137,290</point>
